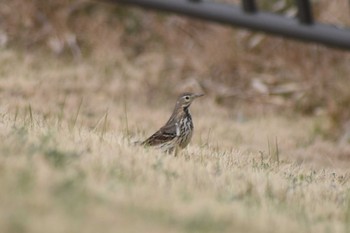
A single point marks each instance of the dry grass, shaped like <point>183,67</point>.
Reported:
<point>80,81</point>
<point>67,162</point>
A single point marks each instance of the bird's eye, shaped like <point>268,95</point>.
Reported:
<point>187,97</point>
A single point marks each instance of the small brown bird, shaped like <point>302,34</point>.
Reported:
<point>177,131</point>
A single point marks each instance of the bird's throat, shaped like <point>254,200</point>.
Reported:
<point>186,110</point>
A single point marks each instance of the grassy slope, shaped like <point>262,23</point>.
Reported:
<point>67,163</point>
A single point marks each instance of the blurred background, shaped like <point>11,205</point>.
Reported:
<point>241,70</point>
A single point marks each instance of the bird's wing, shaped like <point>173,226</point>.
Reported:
<point>164,134</point>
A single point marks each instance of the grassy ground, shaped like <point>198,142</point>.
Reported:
<point>67,163</point>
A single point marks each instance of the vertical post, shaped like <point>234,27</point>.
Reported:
<point>304,11</point>
<point>249,6</point>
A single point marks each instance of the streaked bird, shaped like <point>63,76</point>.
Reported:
<point>177,131</point>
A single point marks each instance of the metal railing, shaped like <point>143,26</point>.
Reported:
<point>249,16</point>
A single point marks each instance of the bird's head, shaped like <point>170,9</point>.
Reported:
<point>185,99</point>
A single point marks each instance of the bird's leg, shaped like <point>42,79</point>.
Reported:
<point>176,151</point>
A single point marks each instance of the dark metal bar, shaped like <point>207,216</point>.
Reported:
<point>249,6</point>
<point>304,11</point>
<point>261,21</point>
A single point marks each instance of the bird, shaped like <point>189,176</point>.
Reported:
<point>177,131</point>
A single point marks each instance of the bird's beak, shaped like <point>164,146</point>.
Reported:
<point>197,95</point>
